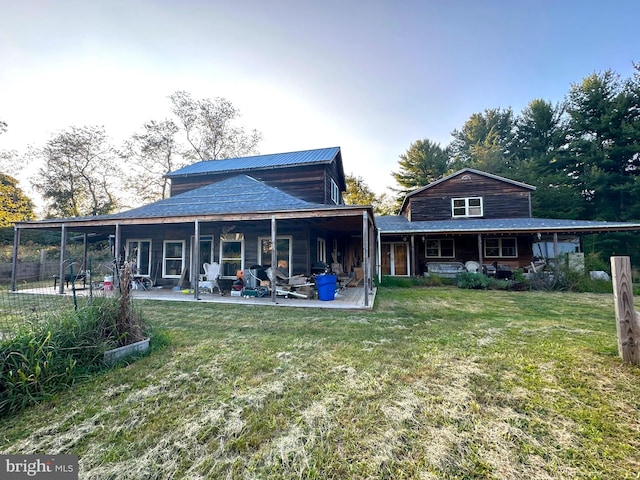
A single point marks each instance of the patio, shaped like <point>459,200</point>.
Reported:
<point>352,298</point>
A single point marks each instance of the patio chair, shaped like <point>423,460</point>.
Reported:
<point>210,278</point>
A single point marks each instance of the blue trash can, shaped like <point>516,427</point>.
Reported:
<point>326,285</point>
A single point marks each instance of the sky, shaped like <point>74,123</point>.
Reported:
<point>371,77</point>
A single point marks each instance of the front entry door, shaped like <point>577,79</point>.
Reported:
<point>395,259</point>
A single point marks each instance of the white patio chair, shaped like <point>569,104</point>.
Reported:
<point>210,277</point>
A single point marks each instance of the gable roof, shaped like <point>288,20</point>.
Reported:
<point>462,172</point>
<point>274,160</point>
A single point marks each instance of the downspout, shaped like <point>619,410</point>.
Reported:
<point>63,243</point>
<point>195,260</point>
<point>14,258</point>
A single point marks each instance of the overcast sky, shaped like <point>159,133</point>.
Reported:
<point>369,76</point>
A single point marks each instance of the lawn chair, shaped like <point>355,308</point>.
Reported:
<point>210,278</point>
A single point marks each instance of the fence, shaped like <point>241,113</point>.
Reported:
<point>37,290</point>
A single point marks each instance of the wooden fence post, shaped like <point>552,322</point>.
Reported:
<point>627,323</point>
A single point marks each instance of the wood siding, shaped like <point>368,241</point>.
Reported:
<point>500,199</point>
<point>309,182</point>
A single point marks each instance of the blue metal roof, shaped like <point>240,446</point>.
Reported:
<point>398,224</point>
<point>274,160</point>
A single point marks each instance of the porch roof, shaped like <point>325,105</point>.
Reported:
<point>398,224</point>
<point>236,198</point>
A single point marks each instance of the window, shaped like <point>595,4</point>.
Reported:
<point>173,255</point>
<point>206,251</point>
<point>139,256</point>
<point>283,253</point>
<point>322,251</point>
<point>500,247</point>
<point>231,254</point>
<point>466,207</point>
<point>439,248</point>
<point>335,192</point>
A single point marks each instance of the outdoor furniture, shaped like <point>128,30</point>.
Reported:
<point>67,278</point>
<point>445,269</point>
<point>210,278</point>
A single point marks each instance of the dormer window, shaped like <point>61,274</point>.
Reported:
<point>466,207</point>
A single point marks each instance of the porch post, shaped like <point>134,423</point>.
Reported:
<point>195,261</point>
<point>274,257</point>
<point>63,243</point>
<point>365,256</point>
<point>413,255</point>
<point>85,239</point>
<point>379,259</point>
<point>555,247</point>
<point>14,257</point>
<point>480,258</point>
<point>116,256</point>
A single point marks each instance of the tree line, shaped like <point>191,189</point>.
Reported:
<point>83,173</point>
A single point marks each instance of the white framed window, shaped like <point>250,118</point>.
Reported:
<point>500,247</point>
<point>173,258</point>
<point>139,255</point>
<point>206,250</point>
<point>335,192</point>
<point>231,254</point>
<point>284,252</point>
<point>466,207</point>
<point>322,250</point>
<point>439,248</point>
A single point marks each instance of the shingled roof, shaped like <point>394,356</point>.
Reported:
<point>274,160</point>
<point>398,224</point>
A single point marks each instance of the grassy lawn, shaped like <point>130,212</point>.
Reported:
<point>434,383</point>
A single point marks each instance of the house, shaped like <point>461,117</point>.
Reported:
<point>474,216</point>
<point>232,212</point>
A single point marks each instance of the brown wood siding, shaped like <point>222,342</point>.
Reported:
<point>305,182</point>
<point>500,199</point>
<point>466,249</point>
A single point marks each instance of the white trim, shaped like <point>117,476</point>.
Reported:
<point>467,207</point>
<point>182,259</point>
<point>137,259</point>
<point>392,260</point>
<point>321,254</point>
<point>335,192</point>
<point>279,237</point>
<point>226,238</point>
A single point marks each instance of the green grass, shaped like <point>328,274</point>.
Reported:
<point>433,383</point>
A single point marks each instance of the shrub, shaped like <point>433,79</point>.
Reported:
<point>471,280</point>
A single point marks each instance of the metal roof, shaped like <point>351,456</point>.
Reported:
<point>398,224</point>
<point>274,160</point>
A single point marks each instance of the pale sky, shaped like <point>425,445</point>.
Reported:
<point>369,76</point>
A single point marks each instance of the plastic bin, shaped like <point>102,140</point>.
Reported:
<point>108,282</point>
<point>326,285</point>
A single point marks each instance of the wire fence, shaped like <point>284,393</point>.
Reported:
<point>38,292</point>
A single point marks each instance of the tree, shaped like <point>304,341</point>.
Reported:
<point>603,149</point>
<point>150,155</point>
<point>423,163</point>
<point>9,163</point>
<point>210,130</point>
<point>359,193</point>
<point>15,206</point>
<point>485,142</point>
<point>80,174</point>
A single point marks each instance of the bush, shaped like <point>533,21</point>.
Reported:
<point>471,280</point>
<point>50,354</point>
